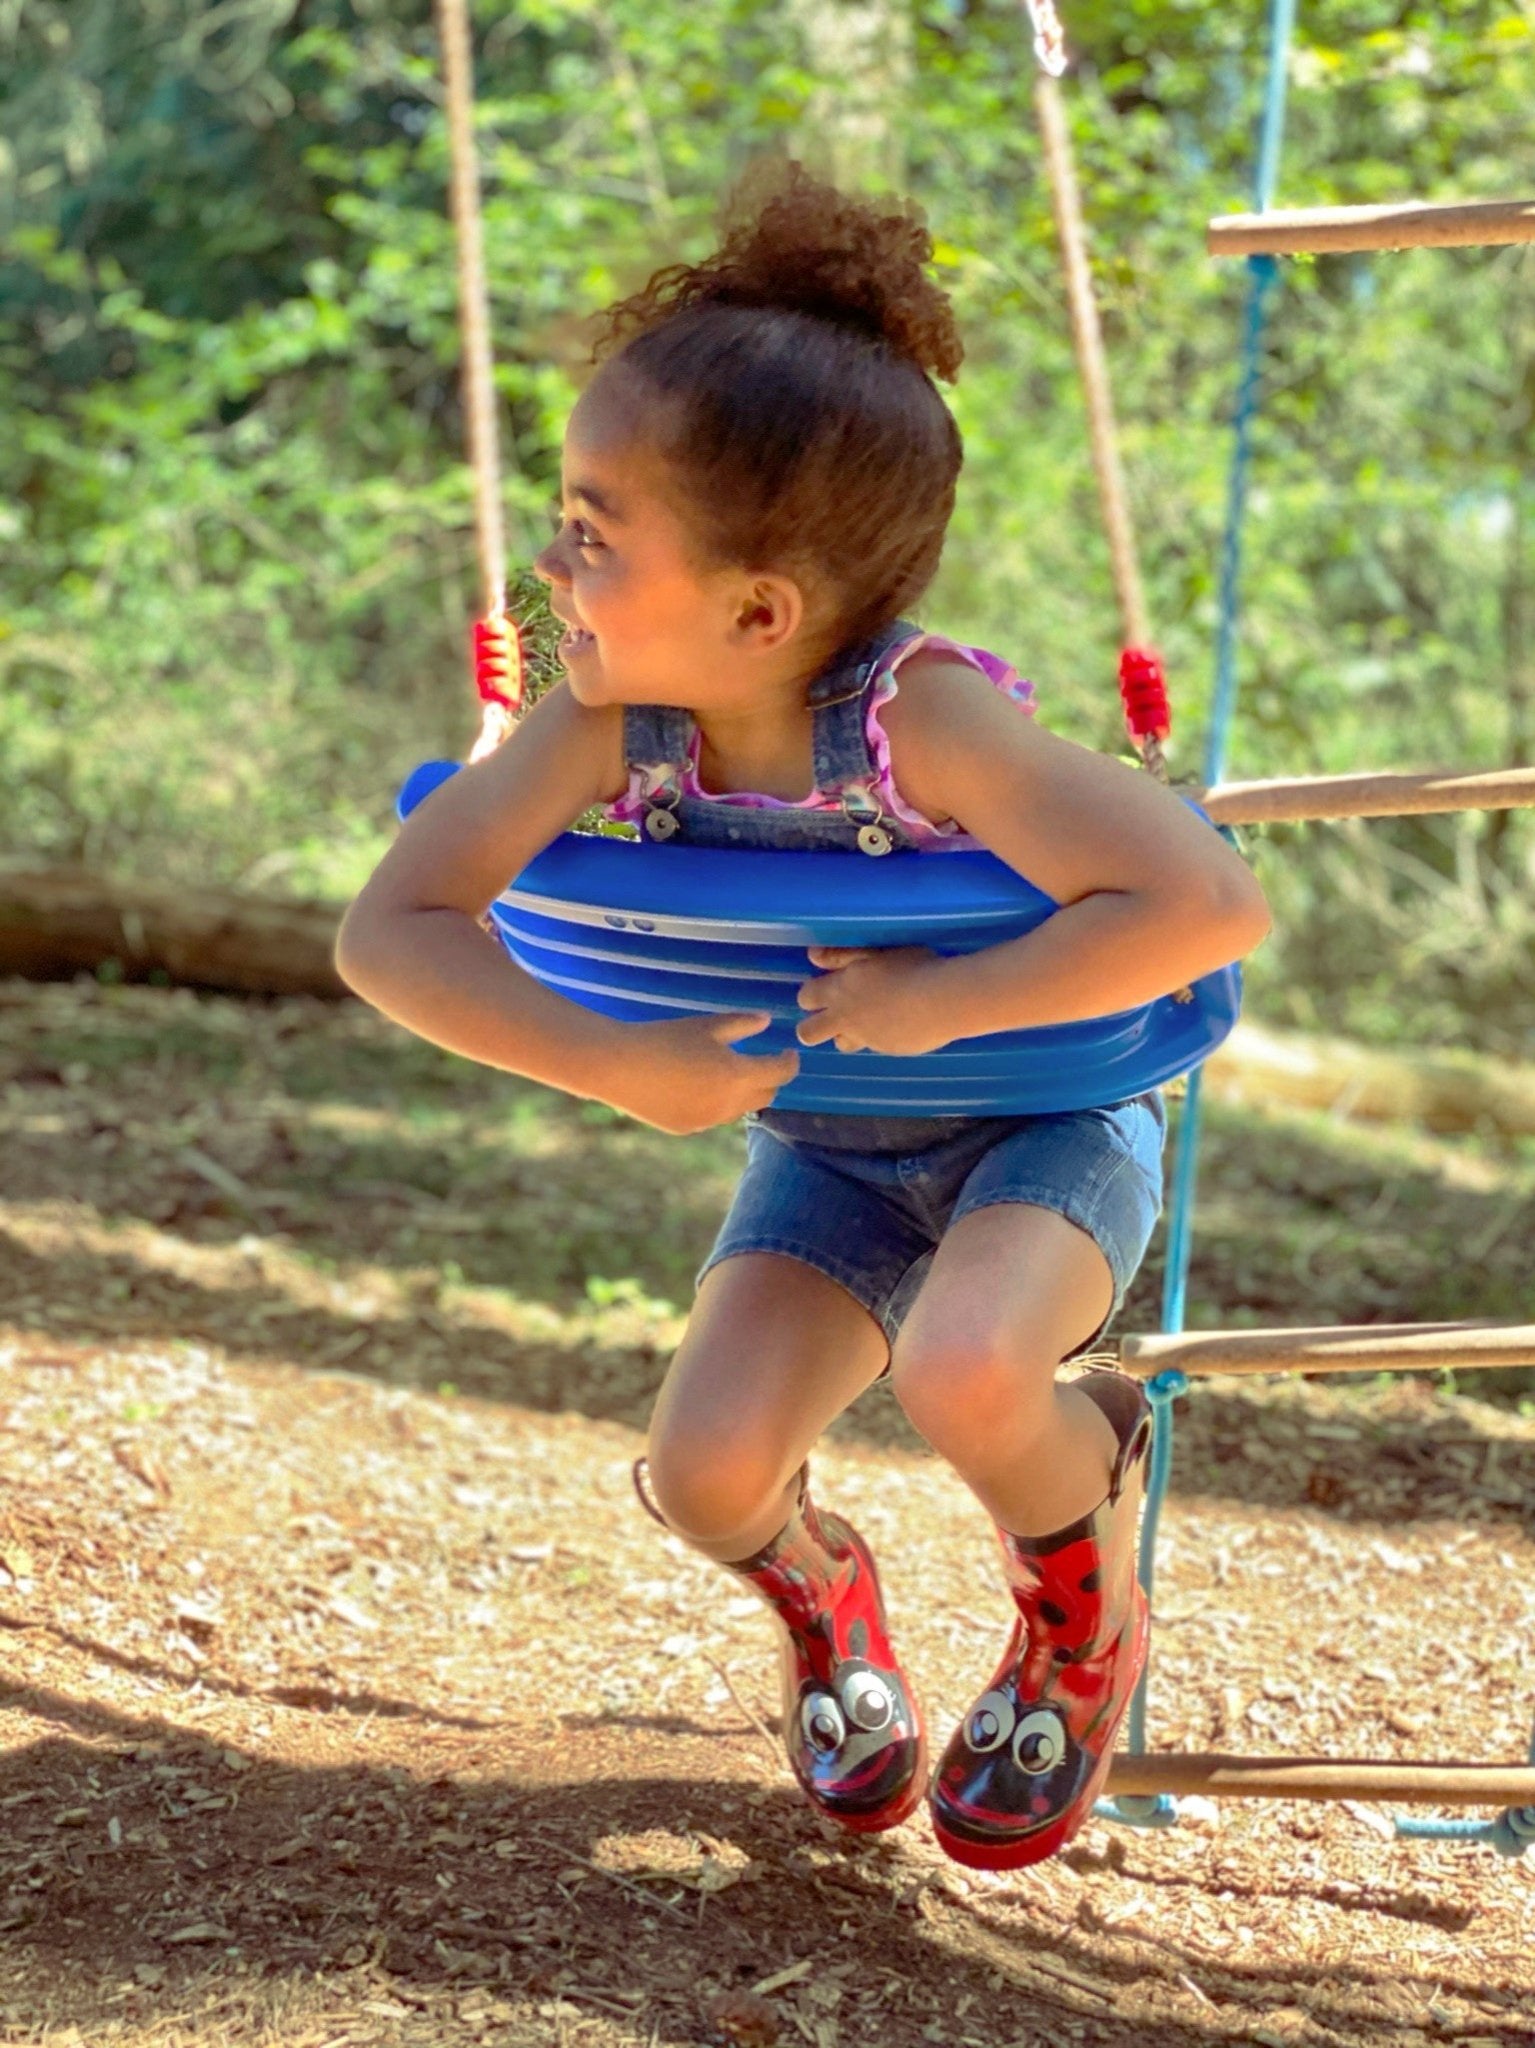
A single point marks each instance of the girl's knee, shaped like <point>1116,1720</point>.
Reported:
<point>972,1387</point>
<point>708,1486</point>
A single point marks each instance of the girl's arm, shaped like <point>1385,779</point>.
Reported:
<point>1151,897</point>
<point>412,945</point>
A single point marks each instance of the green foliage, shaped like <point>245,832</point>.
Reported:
<point>236,557</point>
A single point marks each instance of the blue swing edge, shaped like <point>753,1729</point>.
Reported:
<point>641,932</point>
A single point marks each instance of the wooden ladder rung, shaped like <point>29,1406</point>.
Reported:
<point>1356,1347</point>
<point>1386,794</point>
<point>1317,1777</point>
<point>1414,224</point>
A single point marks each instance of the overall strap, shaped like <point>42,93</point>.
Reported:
<point>657,738</point>
<point>844,763</point>
<point>658,743</point>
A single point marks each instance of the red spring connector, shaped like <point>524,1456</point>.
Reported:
<point>1143,691</point>
<point>498,663</point>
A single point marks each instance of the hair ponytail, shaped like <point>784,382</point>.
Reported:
<point>803,247</point>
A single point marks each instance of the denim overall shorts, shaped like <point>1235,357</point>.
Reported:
<point>866,1200</point>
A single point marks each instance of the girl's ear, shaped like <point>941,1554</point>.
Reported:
<point>770,613</point>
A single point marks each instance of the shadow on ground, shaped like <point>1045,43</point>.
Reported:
<point>149,1863</point>
<point>350,1198</point>
<point>1423,1456</point>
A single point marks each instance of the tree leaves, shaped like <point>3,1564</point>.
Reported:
<point>233,504</point>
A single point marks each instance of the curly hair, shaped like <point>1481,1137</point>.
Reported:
<point>803,422</point>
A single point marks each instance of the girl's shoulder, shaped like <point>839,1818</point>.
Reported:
<point>926,653</point>
<point>926,660</point>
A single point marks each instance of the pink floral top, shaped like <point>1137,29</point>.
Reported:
<point>630,807</point>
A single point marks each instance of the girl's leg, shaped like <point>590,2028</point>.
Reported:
<point>774,1351</point>
<point>1013,1290</point>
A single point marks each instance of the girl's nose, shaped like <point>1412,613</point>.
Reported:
<point>546,564</point>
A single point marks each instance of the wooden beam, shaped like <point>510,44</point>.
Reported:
<point>1322,230</point>
<point>1298,799</point>
<point>1359,1347</point>
<point>1312,1777</point>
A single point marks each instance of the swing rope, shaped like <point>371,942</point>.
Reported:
<point>1142,684</point>
<point>496,648</point>
<point>1164,1389</point>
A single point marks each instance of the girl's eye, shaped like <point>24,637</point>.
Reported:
<point>583,536</point>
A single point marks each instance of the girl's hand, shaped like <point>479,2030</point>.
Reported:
<point>681,1076</point>
<point>871,1001</point>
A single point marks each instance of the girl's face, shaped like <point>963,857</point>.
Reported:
<point>648,624</point>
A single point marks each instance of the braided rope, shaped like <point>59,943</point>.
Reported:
<point>1261,275</point>
<point>478,381</point>
<point>1049,37</point>
<point>1091,362</point>
<point>1148,723</point>
<point>473,306</point>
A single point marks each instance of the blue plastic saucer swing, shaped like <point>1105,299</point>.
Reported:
<point>642,932</point>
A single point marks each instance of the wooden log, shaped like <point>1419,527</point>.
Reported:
<point>1415,224</point>
<point>1299,799</point>
<point>1345,1347</point>
<point>1307,1777</point>
<point>57,922</point>
<point>1437,1090</point>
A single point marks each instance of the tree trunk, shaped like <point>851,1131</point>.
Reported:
<point>1445,1091</point>
<point>57,922</point>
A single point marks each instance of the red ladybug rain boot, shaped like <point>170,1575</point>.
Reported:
<point>852,1729</point>
<point>1021,1772</point>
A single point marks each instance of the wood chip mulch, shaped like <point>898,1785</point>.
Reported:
<point>337,1711</point>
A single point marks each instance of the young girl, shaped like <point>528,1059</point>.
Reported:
<point>756,487</point>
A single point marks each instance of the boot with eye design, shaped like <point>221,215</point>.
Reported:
<point>1021,1772</point>
<point>851,1727</point>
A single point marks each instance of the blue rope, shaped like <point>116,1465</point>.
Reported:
<point>1180,1215</point>
<point>1161,1811</point>
<point>1271,136</point>
<point>1157,1810</point>
<point>1163,1391</point>
<point>1262,272</point>
<point>1510,1834</point>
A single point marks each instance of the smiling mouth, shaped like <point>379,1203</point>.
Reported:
<point>575,640</point>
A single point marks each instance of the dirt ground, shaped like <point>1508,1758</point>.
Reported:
<point>346,1696</point>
